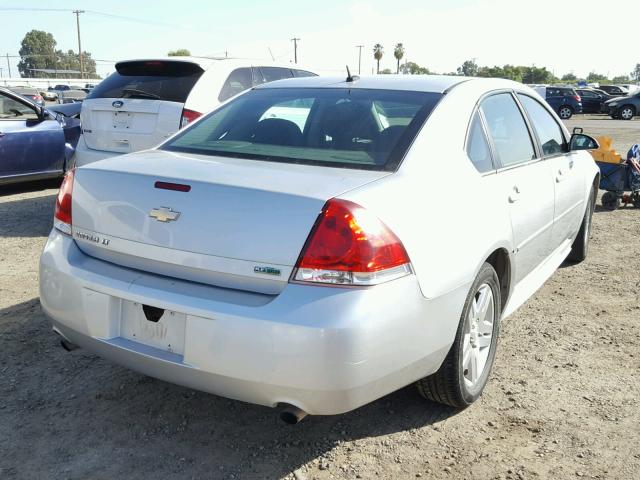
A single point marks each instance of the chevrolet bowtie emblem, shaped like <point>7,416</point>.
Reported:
<point>164,214</point>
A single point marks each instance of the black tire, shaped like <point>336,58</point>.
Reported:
<point>565,112</point>
<point>448,385</point>
<point>635,199</point>
<point>610,200</point>
<point>580,247</point>
<point>626,112</point>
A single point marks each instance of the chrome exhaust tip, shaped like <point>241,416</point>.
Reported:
<point>292,415</point>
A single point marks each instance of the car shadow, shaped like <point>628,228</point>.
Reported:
<point>27,217</point>
<point>89,415</point>
<point>25,187</point>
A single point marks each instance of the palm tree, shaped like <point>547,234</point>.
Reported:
<point>378,51</point>
<point>398,52</point>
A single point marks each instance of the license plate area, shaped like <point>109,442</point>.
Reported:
<point>167,333</point>
<point>121,120</point>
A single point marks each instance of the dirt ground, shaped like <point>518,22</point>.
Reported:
<point>562,401</point>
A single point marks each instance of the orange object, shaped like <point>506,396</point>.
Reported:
<point>606,153</point>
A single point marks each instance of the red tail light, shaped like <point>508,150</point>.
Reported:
<point>188,116</point>
<point>578,98</point>
<point>37,98</point>
<point>349,245</point>
<point>62,215</point>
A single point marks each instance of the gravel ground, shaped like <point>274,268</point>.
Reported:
<point>562,401</point>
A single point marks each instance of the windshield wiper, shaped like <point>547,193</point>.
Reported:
<point>140,93</point>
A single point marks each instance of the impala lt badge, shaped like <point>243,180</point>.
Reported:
<point>164,214</point>
<point>117,104</point>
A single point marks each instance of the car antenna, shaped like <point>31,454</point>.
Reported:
<point>351,78</point>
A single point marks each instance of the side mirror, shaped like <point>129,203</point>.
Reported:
<point>580,141</point>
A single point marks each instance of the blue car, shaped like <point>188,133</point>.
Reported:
<point>35,143</point>
<point>564,100</point>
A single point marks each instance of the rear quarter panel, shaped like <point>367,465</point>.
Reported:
<point>448,216</point>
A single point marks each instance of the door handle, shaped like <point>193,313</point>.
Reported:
<point>515,194</point>
<point>560,176</point>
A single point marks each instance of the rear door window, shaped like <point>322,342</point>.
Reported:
<point>153,80</point>
<point>302,73</point>
<point>508,130</point>
<point>549,132</point>
<point>238,81</point>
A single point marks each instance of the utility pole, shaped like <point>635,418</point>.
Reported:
<point>359,47</point>
<point>295,49</point>
<point>78,12</point>
<point>8,65</point>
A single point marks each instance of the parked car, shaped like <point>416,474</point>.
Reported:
<point>624,108</point>
<point>310,268</point>
<point>564,100</point>
<point>72,96</point>
<point>593,100</point>
<point>146,101</point>
<point>34,143</point>
<point>29,93</point>
<point>631,88</point>
<point>70,110</point>
<point>615,90</point>
<point>48,95</point>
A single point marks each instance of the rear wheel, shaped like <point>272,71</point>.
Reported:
<point>580,246</point>
<point>627,112</point>
<point>464,373</point>
<point>635,199</point>
<point>565,112</point>
<point>610,200</point>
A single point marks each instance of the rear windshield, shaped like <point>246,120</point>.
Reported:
<point>154,80</point>
<point>334,127</point>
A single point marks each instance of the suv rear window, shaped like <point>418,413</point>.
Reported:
<point>334,127</point>
<point>153,80</point>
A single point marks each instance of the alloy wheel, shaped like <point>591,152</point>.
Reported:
<point>565,113</point>
<point>478,335</point>
<point>626,113</point>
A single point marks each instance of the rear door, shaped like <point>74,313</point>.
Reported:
<point>28,145</point>
<point>525,181</point>
<point>138,106</point>
<point>566,174</point>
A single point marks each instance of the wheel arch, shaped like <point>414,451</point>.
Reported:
<point>500,260</point>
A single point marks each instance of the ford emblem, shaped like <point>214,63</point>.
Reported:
<point>117,104</point>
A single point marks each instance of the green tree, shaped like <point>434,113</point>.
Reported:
<point>468,68</point>
<point>569,78</point>
<point>621,79</point>
<point>411,68</point>
<point>537,75</point>
<point>636,73</point>
<point>71,61</point>
<point>378,52</point>
<point>181,52</point>
<point>398,52</point>
<point>37,51</point>
<point>594,77</point>
<point>386,71</point>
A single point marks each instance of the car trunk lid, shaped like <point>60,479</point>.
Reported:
<point>242,224</point>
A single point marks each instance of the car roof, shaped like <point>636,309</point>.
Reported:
<point>208,62</point>
<point>416,83</point>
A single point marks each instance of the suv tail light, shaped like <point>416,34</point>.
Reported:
<point>350,246</point>
<point>188,116</point>
<point>577,98</point>
<point>62,215</point>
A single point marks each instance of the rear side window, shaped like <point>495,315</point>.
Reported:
<point>507,129</point>
<point>238,81</point>
<point>272,74</point>
<point>548,131</point>
<point>302,73</point>
<point>478,147</point>
<point>153,80</point>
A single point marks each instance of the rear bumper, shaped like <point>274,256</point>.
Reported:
<point>85,155</point>
<point>325,350</point>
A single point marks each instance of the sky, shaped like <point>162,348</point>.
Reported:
<point>440,35</point>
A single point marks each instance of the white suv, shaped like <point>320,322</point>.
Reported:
<point>146,101</point>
